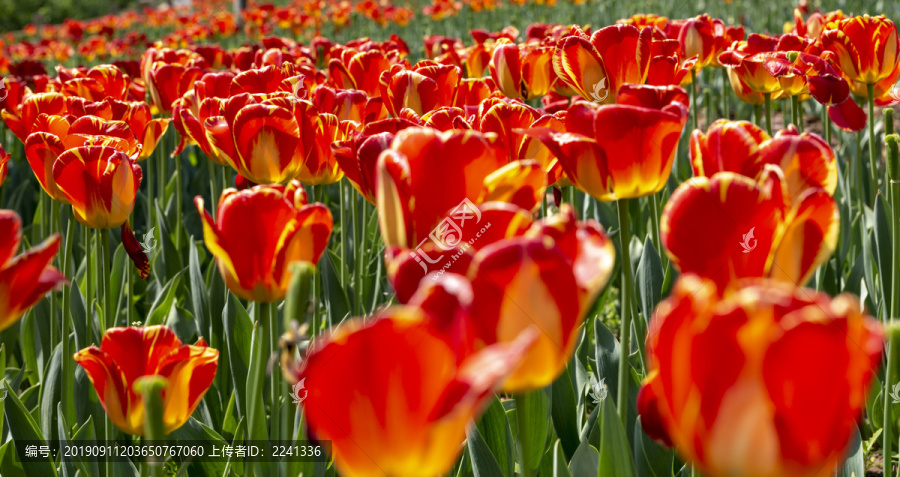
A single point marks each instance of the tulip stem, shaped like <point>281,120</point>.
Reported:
<point>654,223</point>
<point>725,88</point>
<point>893,182</point>
<point>361,262</point>
<point>826,125</point>
<point>795,112</point>
<point>178,201</point>
<point>873,164</point>
<point>274,379</point>
<point>89,286</point>
<point>151,388</point>
<point>67,373</point>
<point>694,99</point>
<point>343,243</point>
<point>768,97</point>
<point>625,323</point>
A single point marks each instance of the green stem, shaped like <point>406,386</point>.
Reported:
<point>89,278</point>
<point>179,205</point>
<point>726,86</point>
<point>693,99</point>
<point>67,373</point>
<point>861,192</point>
<point>795,112</point>
<point>826,125</point>
<point>873,163</point>
<point>654,223</point>
<point>757,115</point>
<point>343,244</point>
<point>151,388</point>
<point>625,324</point>
<point>768,97</point>
<point>361,262</point>
<point>275,379</point>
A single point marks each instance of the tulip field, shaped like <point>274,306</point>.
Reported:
<point>463,238</point>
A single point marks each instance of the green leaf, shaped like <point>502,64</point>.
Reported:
<point>563,409</point>
<point>483,462</point>
<point>9,462</point>
<point>337,305</point>
<point>164,302</point>
<point>82,434</point>
<point>883,243</point>
<point>199,294</point>
<point>651,459</point>
<point>533,416</point>
<point>854,464</point>
<point>649,279</point>
<point>23,428</point>
<point>494,429</point>
<point>50,393</point>
<point>615,453</point>
<point>256,376</point>
<point>194,430</point>
<point>606,353</point>
<point>238,334</point>
<point>560,469</point>
<point>586,460</point>
<point>66,465</point>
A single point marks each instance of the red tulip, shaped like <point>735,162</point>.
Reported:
<point>260,232</point>
<point>25,278</point>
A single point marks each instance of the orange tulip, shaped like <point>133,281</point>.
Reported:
<point>260,232</point>
<point>53,135</point>
<point>422,88</point>
<point>622,150</point>
<point>126,354</point>
<point>415,193</point>
<point>359,375</point>
<point>321,166</point>
<point>729,227</point>
<point>266,141</point>
<point>169,74</point>
<point>95,84</point>
<point>26,278</point>
<point>522,71</point>
<point>361,70</point>
<point>597,67</point>
<point>750,70</point>
<point>697,37</point>
<point>767,380</point>
<point>191,110</point>
<point>21,121</point>
<point>100,182</point>
<point>867,48</point>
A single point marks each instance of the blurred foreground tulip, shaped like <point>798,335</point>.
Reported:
<point>26,278</point>
<point>100,182</point>
<point>260,232</point>
<point>126,354</point>
<point>765,381</point>
<point>509,274</point>
<point>394,398</point>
